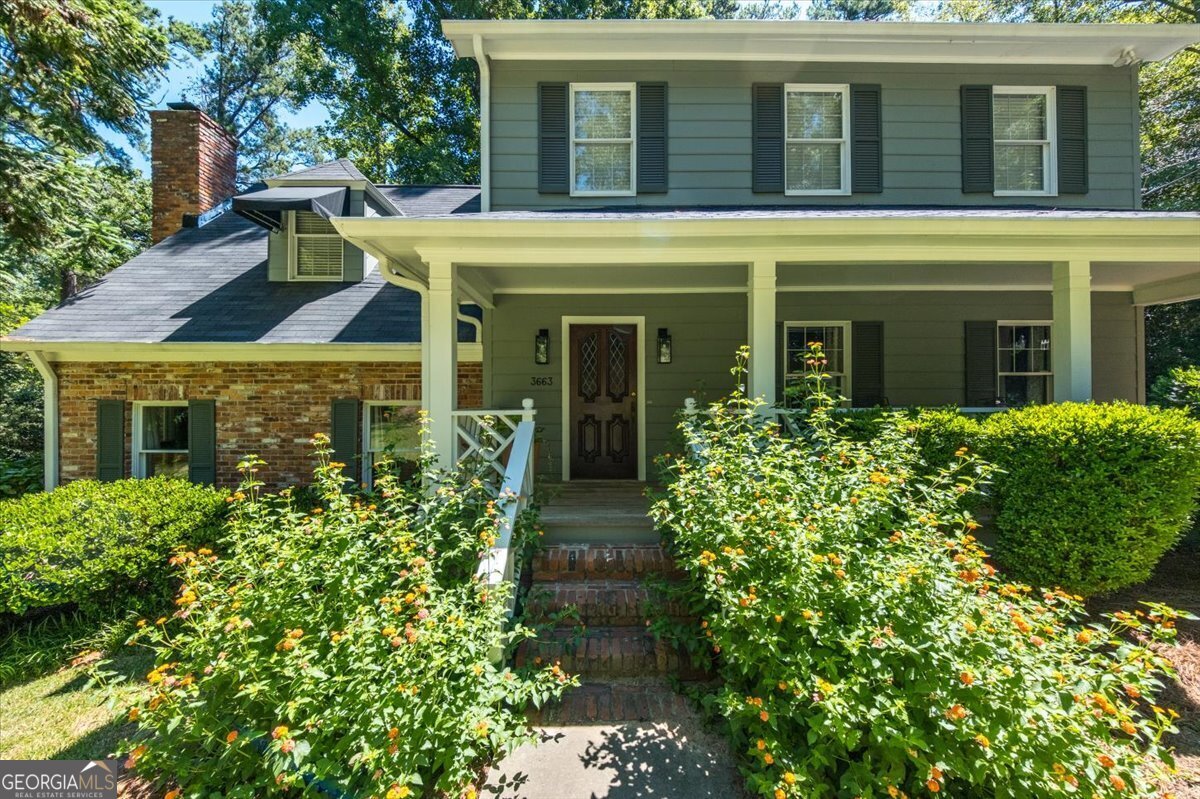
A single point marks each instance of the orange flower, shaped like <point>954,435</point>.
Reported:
<point>174,793</point>
<point>1117,783</point>
<point>966,679</point>
<point>279,732</point>
<point>779,794</point>
<point>1037,641</point>
<point>1106,761</point>
<point>956,713</point>
<point>1083,637</point>
<point>287,746</point>
<point>231,737</point>
<point>1132,691</point>
<point>393,733</point>
<point>761,744</point>
<point>764,715</point>
<point>1128,727</point>
<point>134,713</point>
<point>933,786</point>
<point>789,778</point>
<point>768,759</point>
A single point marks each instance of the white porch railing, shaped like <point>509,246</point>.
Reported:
<point>489,434</point>
<point>499,564</point>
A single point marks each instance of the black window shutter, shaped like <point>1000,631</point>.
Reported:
<point>554,169</point>
<point>977,156</point>
<point>110,440</point>
<point>866,364</point>
<point>343,435</point>
<point>866,139</point>
<point>1072,140</point>
<point>202,441</point>
<point>979,340</point>
<point>651,138</point>
<point>780,363</point>
<point>766,112</point>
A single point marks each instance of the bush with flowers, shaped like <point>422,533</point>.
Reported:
<point>866,646</point>
<point>344,650</point>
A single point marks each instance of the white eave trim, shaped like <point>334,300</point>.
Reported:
<point>57,351</point>
<point>812,41</point>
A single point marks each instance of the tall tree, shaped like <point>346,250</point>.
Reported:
<point>247,79</point>
<point>68,68</point>
<point>858,10</point>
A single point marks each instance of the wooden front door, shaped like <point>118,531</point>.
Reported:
<point>603,409</point>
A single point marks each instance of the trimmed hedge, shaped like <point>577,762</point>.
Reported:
<point>89,542</point>
<point>1090,496</point>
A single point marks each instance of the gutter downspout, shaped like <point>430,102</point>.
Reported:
<point>389,274</point>
<point>485,126</point>
<point>49,419</point>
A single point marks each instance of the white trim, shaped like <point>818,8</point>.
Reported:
<point>98,351</point>
<point>819,41</point>
<point>49,420</point>
<point>293,240</point>
<point>1049,144</point>
<point>368,466</point>
<point>846,389</point>
<point>843,142</point>
<point>137,468</point>
<point>631,88</point>
<point>565,390</point>
<point>485,125</point>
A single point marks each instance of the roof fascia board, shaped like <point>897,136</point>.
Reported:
<point>364,185</point>
<point>199,351</point>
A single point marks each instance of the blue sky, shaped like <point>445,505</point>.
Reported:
<point>180,75</point>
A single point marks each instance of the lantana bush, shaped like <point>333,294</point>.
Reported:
<point>866,646</point>
<point>342,649</point>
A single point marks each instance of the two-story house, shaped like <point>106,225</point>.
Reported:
<point>952,209</point>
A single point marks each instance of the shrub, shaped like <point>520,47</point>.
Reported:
<point>89,542</point>
<point>345,647</point>
<point>866,646</point>
<point>1179,388</point>
<point>1090,497</point>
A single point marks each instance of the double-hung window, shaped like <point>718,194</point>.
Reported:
<point>603,152</point>
<point>834,338</point>
<point>1024,375</point>
<point>160,439</point>
<point>316,251</point>
<point>391,431</point>
<point>1023,138</point>
<point>816,125</point>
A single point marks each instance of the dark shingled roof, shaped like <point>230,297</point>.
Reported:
<point>432,200</point>
<point>209,284</point>
<point>341,169</point>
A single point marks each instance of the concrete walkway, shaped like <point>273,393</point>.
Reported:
<point>623,761</point>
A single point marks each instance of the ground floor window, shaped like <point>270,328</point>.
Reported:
<point>160,440</point>
<point>391,431</point>
<point>834,337</point>
<point>1024,375</point>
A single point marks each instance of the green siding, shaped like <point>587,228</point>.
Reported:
<point>710,143</point>
<point>277,256</point>
<point>352,257</point>
<point>923,346</point>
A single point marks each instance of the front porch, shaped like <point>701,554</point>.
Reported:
<point>904,286</point>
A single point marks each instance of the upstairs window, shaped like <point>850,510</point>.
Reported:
<point>1024,375</point>
<point>1023,140</point>
<point>816,123</point>
<point>316,251</point>
<point>603,152</point>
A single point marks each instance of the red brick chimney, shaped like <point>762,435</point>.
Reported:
<point>194,166</point>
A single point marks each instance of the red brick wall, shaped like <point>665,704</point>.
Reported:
<point>194,164</point>
<point>269,409</point>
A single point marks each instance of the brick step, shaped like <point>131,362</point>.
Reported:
<point>615,603</point>
<point>565,562</point>
<point>613,701</point>
<point>597,653</point>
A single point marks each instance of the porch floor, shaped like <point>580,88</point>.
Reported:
<point>596,511</point>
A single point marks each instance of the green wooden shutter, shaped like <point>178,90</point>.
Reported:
<point>866,137</point>
<point>978,175</point>
<point>651,138</point>
<point>866,364</point>
<point>110,440</point>
<point>352,257</point>
<point>1072,140</point>
<point>979,339</point>
<point>766,113</point>
<point>554,168</point>
<point>202,441</point>
<point>344,424</point>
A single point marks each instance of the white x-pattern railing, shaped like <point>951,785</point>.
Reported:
<point>489,434</point>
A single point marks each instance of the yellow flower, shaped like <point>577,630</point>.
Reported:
<point>982,740</point>
<point>399,792</point>
<point>134,713</point>
<point>789,778</point>
<point>279,732</point>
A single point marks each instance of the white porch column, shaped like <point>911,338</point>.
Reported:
<point>1071,339</point>
<point>441,364</point>
<point>761,329</point>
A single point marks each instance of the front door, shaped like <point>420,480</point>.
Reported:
<point>603,409</point>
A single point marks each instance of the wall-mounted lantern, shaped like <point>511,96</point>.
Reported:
<point>541,347</point>
<point>664,345</point>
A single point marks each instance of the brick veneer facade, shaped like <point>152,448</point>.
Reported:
<point>194,167</point>
<point>270,409</point>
